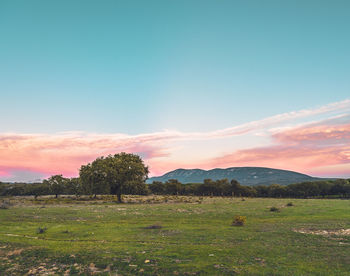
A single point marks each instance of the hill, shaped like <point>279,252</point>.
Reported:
<point>245,175</point>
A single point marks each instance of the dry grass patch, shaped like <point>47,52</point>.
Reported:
<point>326,233</point>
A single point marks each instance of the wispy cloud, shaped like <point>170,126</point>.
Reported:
<point>301,140</point>
<point>338,107</point>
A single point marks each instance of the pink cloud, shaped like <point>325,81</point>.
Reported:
<point>303,149</point>
<point>65,153</point>
<point>320,133</point>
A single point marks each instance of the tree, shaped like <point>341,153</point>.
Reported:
<point>173,187</point>
<point>207,187</point>
<point>236,188</point>
<point>340,187</point>
<point>37,189</point>
<point>276,190</point>
<point>2,188</point>
<point>56,184</point>
<point>115,173</point>
<point>223,187</point>
<point>73,186</point>
<point>248,191</point>
<point>157,187</point>
<point>135,188</point>
<point>93,178</point>
<point>261,190</point>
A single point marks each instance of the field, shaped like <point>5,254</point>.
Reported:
<point>159,235</point>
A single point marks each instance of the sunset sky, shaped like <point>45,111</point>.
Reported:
<point>184,84</point>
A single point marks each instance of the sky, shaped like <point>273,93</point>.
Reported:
<point>184,84</point>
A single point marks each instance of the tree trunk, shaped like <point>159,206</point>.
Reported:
<point>56,196</point>
<point>119,195</point>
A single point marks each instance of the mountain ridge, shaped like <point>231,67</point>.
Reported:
<point>250,176</point>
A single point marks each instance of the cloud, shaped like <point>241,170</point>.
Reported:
<point>65,153</point>
<point>319,135</point>
<point>289,143</point>
<point>305,149</point>
<point>338,107</point>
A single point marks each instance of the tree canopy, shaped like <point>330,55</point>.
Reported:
<point>114,174</point>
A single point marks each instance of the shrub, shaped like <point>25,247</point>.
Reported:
<point>290,204</point>
<point>239,220</point>
<point>154,226</point>
<point>41,230</point>
<point>274,209</point>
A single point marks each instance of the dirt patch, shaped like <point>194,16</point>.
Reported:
<point>15,252</point>
<point>326,233</point>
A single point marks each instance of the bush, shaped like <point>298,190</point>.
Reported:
<point>154,226</point>
<point>41,230</point>
<point>290,204</point>
<point>274,209</point>
<point>239,220</point>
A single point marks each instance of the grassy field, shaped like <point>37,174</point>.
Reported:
<point>196,237</point>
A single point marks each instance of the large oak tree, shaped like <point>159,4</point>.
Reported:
<point>115,174</point>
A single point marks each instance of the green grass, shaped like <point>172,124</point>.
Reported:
<point>195,239</point>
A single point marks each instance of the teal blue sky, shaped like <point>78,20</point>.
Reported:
<point>184,84</point>
<point>144,66</point>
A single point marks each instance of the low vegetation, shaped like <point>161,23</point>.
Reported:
<point>239,220</point>
<point>173,235</point>
<point>274,209</point>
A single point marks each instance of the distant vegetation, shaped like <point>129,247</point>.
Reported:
<point>126,174</point>
<point>58,185</point>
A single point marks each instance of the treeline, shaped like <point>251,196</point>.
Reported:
<point>58,185</point>
<point>223,187</point>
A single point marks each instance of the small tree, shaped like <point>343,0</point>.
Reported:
<point>73,186</point>
<point>56,184</point>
